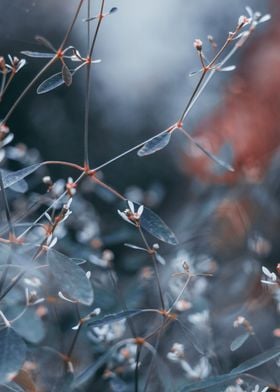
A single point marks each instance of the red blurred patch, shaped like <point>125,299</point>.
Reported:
<point>249,118</point>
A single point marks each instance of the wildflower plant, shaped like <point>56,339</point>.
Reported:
<point>109,343</point>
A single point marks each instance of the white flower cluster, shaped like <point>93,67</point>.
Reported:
<point>130,215</point>
<point>108,332</point>
<point>199,371</point>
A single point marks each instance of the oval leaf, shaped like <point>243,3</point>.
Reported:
<point>225,159</point>
<point>21,186</point>
<point>12,354</point>
<point>111,318</point>
<point>13,177</point>
<point>214,158</point>
<point>252,363</point>
<point>70,278</point>
<point>154,145</point>
<point>66,75</point>
<point>43,41</point>
<point>135,247</point>
<point>11,387</point>
<point>210,382</point>
<point>50,370</point>
<point>30,326</point>
<point>51,83</point>
<point>257,361</point>
<point>239,341</point>
<point>40,55</point>
<point>154,225</point>
<point>89,372</point>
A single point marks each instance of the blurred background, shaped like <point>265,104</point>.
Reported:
<point>141,87</point>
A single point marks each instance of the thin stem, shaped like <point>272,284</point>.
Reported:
<point>5,87</point>
<point>206,152</point>
<point>123,303</point>
<point>153,358</point>
<point>70,28</point>
<point>6,205</point>
<point>3,81</point>
<point>123,154</point>
<point>193,95</point>
<point>210,75</point>
<point>75,338</point>
<point>86,119</point>
<point>27,88</point>
<point>88,25</point>
<point>198,91</point>
<point>12,284</point>
<point>110,189</point>
<point>97,28</point>
<point>87,96</point>
<point>205,70</point>
<point>70,164</point>
<point>155,265</point>
<point>74,341</point>
<point>136,373</point>
<point>11,231</point>
<point>180,294</point>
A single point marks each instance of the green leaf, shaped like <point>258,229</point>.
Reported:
<point>12,354</point>
<point>12,178</point>
<point>70,278</point>
<point>154,145</point>
<point>154,225</point>
<point>239,341</point>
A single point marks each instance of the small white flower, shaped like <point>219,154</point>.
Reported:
<point>31,298</point>
<point>88,317</point>
<point>239,321</point>
<point>68,204</point>
<point>95,312</point>
<point>176,353</point>
<point>77,326</point>
<point>272,278</point>
<point>257,389</point>
<point>15,64</point>
<point>66,216</point>
<point>201,318</point>
<point>203,368</point>
<point>200,371</point>
<point>6,140</point>
<point>48,217</point>
<point>6,321</point>
<point>256,17</point>
<point>51,242</point>
<point>130,215</point>
<point>182,305</point>
<point>197,43</point>
<point>71,187</point>
<point>243,21</point>
<point>47,180</point>
<point>33,281</point>
<point>109,332</point>
<point>62,296</point>
<point>77,57</point>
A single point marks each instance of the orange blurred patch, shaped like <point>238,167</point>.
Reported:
<point>249,118</point>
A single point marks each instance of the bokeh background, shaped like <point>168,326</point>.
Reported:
<point>141,87</point>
